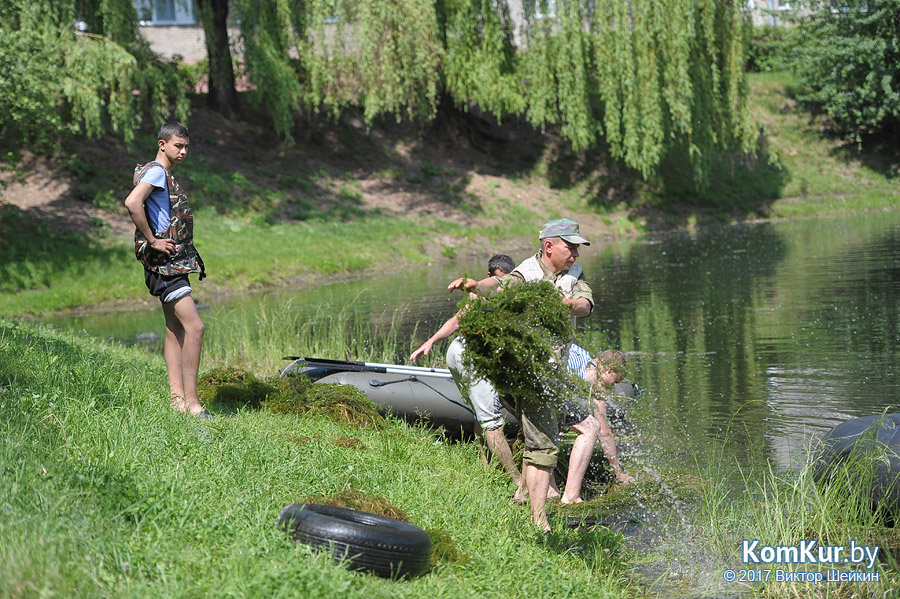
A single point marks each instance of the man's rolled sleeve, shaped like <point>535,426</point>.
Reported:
<point>583,291</point>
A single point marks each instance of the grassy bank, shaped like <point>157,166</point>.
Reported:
<point>43,270</point>
<point>345,201</point>
<point>107,493</point>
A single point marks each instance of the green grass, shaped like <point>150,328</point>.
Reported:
<point>824,174</point>
<point>256,337</point>
<point>784,508</point>
<point>108,493</point>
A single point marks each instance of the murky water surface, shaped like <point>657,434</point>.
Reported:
<point>747,339</point>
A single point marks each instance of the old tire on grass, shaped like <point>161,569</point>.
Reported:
<point>872,442</point>
<point>366,541</point>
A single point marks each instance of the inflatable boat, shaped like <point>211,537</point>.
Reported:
<point>412,392</point>
<point>873,442</point>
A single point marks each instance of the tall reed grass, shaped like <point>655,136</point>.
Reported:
<point>259,337</point>
<point>786,507</point>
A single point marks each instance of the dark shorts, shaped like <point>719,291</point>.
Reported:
<point>573,411</point>
<point>166,288</point>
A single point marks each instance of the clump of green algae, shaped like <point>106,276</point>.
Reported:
<point>294,394</point>
<point>513,340</point>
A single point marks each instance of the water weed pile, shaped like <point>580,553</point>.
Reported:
<point>232,388</point>
<point>512,339</point>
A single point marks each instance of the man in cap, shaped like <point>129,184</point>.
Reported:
<point>554,262</point>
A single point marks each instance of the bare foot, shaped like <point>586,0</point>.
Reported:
<point>624,478</point>
<point>521,494</point>
<point>177,403</point>
<point>198,409</point>
<point>553,493</point>
<point>565,501</point>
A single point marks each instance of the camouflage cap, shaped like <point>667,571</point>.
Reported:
<point>564,228</point>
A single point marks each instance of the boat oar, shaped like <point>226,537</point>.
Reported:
<point>349,365</point>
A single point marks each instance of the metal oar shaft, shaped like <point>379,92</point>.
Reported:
<point>442,373</point>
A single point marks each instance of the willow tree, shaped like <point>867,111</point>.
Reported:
<point>79,67</point>
<point>643,77</point>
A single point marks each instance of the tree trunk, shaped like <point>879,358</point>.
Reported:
<point>222,95</point>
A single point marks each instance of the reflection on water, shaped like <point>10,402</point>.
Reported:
<point>748,339</point>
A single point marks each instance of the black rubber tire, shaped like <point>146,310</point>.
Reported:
<point>870,435</point>
<point>366,541</point>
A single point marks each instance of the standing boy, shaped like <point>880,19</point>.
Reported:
<point>164,243</point>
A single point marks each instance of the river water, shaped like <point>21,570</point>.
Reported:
<point>747,339</point>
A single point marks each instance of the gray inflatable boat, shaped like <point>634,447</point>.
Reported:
<point>411,392</point>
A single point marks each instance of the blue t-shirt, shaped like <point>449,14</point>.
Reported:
<point>579,360</point>
<point>158,203</point>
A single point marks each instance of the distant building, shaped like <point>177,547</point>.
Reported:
<point>172,28</point>
<point>770,12</point>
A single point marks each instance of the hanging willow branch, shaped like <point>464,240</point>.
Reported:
<point>642,77</point>
<point>56,79</point>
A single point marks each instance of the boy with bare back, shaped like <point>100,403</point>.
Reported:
<point>164,243</point>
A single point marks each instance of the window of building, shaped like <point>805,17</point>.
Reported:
<point>166,12</point>
<point>540,9</point>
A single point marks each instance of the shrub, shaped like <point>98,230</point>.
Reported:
<point>772,48</point>
<point>849,61</point>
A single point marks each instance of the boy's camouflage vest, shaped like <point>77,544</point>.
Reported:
<point>185,259</point>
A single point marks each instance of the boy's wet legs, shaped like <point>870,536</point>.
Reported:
<point>184,340</point>
<point>588,430</point>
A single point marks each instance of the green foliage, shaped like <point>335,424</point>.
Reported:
<point>193,74</point>
<point>850,62</point>
<point>772,48</point>
<point>479,62</point>
<point>513,340</point>
<point>56,80</point>
<point>642,79</point>
<point>270,30</point>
